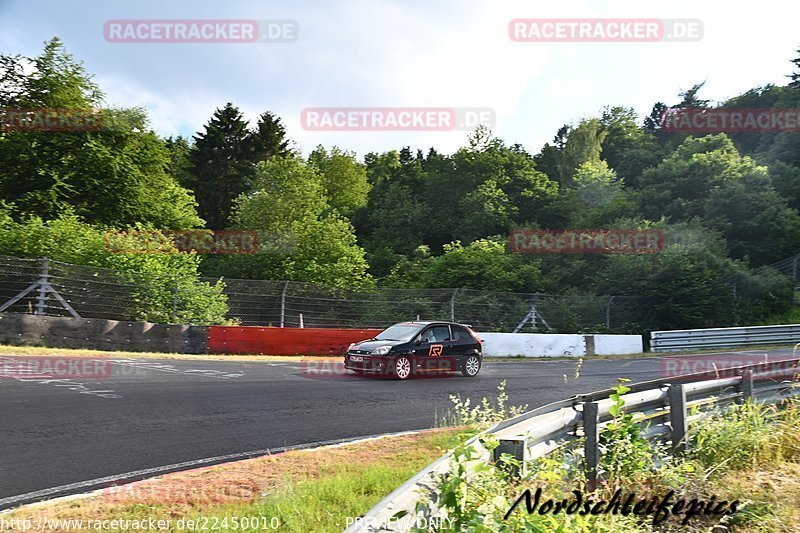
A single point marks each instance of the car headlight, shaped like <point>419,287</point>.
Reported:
<point>383,350</point>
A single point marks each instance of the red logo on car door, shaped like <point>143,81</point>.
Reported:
<point>435,349</point>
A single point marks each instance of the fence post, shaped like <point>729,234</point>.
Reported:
<point>175,301</point>
<point>794,267</point>
<point>608,312</point>
<point>453,306</point>
<point>591,450</point>
<point>301,320</point>
<point>746,385</point>
<point>677,417</point>
<point>42,288</point>
<point>283,302</point>
<point>516,448</point>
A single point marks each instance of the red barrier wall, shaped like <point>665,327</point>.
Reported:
<point>284,341</point>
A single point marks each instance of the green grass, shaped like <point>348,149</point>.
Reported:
<point>324,504</point>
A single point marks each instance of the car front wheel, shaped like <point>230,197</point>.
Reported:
<point>402,367</point>
<point>471,366</point>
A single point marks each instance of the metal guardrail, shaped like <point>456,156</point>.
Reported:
<point>664,403</point>
<point>691,339</point>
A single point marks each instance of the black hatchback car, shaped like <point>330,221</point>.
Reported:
<point>411,348</point>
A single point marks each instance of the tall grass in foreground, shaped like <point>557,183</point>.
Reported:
<point>729,442</point>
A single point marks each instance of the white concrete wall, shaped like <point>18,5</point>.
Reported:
<point>617,344</point>
<point>556,345</point>
<point>532,345</point>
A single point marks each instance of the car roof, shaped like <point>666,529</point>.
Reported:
<point>429,322</point>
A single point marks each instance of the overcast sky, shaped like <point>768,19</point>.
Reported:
<point>411,53</point>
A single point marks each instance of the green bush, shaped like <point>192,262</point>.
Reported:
<point>144,283</point>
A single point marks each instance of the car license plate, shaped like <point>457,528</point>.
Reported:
<point>356,358</point>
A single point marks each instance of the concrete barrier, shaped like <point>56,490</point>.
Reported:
<point>66,332</point>
<point>532,345</point>
<point>97,334</point>
<point>617,344</point>
<point>558,345</point>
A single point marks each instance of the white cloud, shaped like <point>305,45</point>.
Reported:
<point>393,53</point>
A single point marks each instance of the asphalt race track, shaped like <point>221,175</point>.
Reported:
<point>145,413</point>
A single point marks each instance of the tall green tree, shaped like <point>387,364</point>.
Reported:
<point>628,148</point>
<point>390,224</point>
<point>678,186</point>
<point>178,167</point>
<point>343,177</point>
<point>220,165</point>
<point>795,76</point>
<point>584,144</point>
<point>115,176</point>
<point>268,138</point>
<point>690,98</point>
<point>302,238</point>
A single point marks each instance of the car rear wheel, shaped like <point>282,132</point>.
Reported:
<point>402,368</point>
<point>471,366</point>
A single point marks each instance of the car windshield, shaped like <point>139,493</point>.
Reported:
<point>399,332</point>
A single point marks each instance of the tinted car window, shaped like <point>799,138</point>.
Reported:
<point>460,333</point>
<point>437,334</point>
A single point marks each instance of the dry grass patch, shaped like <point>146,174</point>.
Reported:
<point>770,496</point>
<point>71,352</point>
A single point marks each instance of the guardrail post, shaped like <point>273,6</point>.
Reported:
<point>516,448</point>
<point>677,417</point>
<point>746,386</point>
<point>591,450</point>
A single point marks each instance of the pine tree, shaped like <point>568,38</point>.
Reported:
<point>219,165</point>
<point>268,139</point>
<point>795,76</point>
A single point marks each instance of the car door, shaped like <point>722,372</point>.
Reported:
<point>435,350</point>
<point>461,344</point>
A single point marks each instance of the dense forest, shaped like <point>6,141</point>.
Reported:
<point>727,203</point>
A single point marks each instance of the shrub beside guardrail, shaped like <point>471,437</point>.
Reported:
<point>664,403</point>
